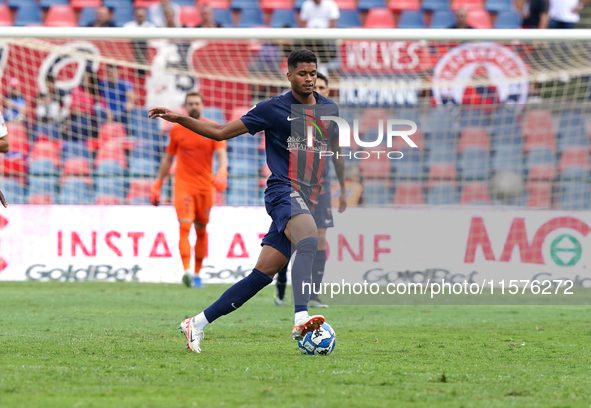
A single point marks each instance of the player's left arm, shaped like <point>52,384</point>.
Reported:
<point>4,145</point>
<point>339,166</point>
<point>220,181</point>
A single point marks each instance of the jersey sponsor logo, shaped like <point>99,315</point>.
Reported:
<point>487,62</point>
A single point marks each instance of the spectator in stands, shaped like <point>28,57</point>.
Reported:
<point>565,13</point>
<point>118,94</point>
<point>170,20</point>
<point>85,107</point>
<point>320,14</point>
<point>102,18</point>
<point>14,103</point>
<point>207,20</point>
<point>156,12</point>
<point>140,47</point>
<point>49,105</point>
<point>534,14</point>
<point>461,18</point>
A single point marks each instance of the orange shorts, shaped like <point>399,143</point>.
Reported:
<point>193,206</point>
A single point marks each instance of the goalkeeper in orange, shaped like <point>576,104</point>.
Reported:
<point>194,183</point>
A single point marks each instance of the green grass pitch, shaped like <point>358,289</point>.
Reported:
<point>117,345</point>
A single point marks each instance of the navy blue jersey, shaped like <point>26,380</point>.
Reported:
<point>285,121</point>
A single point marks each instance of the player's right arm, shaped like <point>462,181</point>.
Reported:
<point>209,130</point>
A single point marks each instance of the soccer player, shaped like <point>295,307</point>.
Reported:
<point>4,147</point>
<point>193,193</point>
<point>323,219</point>
<point>292,189</point>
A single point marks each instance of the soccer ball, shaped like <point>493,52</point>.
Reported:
<point>319,342</point>
<point>507,186</point>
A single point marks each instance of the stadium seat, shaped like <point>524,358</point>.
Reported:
<point>438,119</point>
<point>573,195</point>
<point>87,16</point>
<point>16,4</point>
<point>223,17</point>
<point>111,151</point>
<point>442,171</point>
<point>28,16</point>
<point>538,129</point>
<point>107,132</point>
<point>107,199</point>
<point>77,166</point>
<point>442,193</point>
<point>239,111</point>
<point>574,163</point>
<point>442,139</point>
<point>75,150</point>
<point>370,119</point>
<point>442,19</point>
<point>244,4</point>
<point>139,167</point>
<point>508,157</point>
<point>45,4</point>
<point>41,167</point>
<point>573,137</point>
<point>411,19</point>
<point>122,15</point>
<point>243,192</point>
<point>505,115</point>
<point>497,6</point>
<point>184,3</point>
<point>410,167</point>
<point>76,190</point>
<point>5,15</point>
<point>42,190</point>
<point>473,137</point>
<point>474,164</point>
<point>475,193</point>
<point>347,4</point>
<point>190,16</point>
<point>282,18</point>
<point>508,19</point>
<point>539,194</point>
<point>571,118</point>
<point>61,16</point>
<point>435,5</point>
<point>15,190</point>
<point>442,153</point>
<point>109,190</point>
<point>245,146</point>
<point>367,5</point>
<point>251,17</point>
<point>18,139</point>
<point>112,4</point>
<point>409,193</point>
<point>541,164</point>
<point>215,4</point>
<point>270,5</point>
<point>109,167</point>
<point>404,5</point>
<point>469,4</point>
<point>379,18</point>
<point>540,137</point>
<point>81,4</point>
<point>46,131</point>
<point>376,192</point>
<point>143,127</point>
<point>214,113</point>
<point>374,167</point>
<point>473,117</point>
<point>139,192</point>
<point>46,150</point>
<point>479,19</point>
<point>399,143</point>
<point>243,166</point>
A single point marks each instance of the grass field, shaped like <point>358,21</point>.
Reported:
<point>117,345</point>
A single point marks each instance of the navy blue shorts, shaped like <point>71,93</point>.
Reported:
<point>323,211</point>
<point>281,206</point>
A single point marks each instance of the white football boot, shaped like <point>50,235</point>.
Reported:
<point>305,325</point>
<point>193,335</point>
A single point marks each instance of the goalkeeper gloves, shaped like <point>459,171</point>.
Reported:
<point>220,181</point>
<point>155,195</point>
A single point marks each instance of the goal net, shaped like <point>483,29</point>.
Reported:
<point>500,120</point>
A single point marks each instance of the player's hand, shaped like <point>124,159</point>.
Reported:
<point>342,201</point>
<point>165,114</point>
<point>220,181</point>
<point>3,200</point>
<point>155,194</point>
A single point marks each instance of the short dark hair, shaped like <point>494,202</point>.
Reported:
<point>320,75</point>
<point>50,77</point>
<point>299,56</point>
<point>193,93</point>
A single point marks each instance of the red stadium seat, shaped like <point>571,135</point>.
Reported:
<point>479,19</point>
<point>402,5</point>
<point>216,4</point>
<point>144,3</point>
<point>380,18</point>
<point>469,4</point>
<point>239,111</point>
<point>574,157</point>
<point>112,150</point>
<point>409,193</point>
<point>542,171</point>
<point>374,168</point>
<point>536,119</point>
<point>139,190</point>
<point>370,119</point>
<point>5,16</point>
<point>270,5</point>
<point>61,16</point>
<point>80,4</point>
<point>475,192</point>
<point>399,143</point>
<point>46,150</point>
<point>18,139</point>
<point>347,4</point>
<point>442,171</point>
<point>104,199</point>
<point>540,137</point>
<point>40,199</point>
<point>190,16</point>
<point>473,136</point>
<point>539,194</point>
<point>108,132</point>
<point>15,164</point>
<point>76,166</point>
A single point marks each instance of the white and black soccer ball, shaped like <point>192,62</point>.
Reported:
<point>507,186</point>
<point>319,342</point>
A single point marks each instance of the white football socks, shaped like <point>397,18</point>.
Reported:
<point>298,316</point>
<point>200,321</point>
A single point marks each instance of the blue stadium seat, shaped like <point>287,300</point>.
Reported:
<point>214,113</point>
<point>442,153</point>
<point>243,146</point>
<point>508,19</point>
<point>574,136</point>
<point>109,168</point>
<point>223,17</point>
<point>411,19</point>
<point>48,129</point>
<point>28,15</point>
<point>241,167</point>
<point>506,115</point>
<point>443,19</point>
<point>438,119</point>
<point>298,4</point>
<point>443,194</point>
<point>139,167</point>
<point>473,117</point>
<point>21,3</point>
<point>109,186</point>
<point>408,113</point>
<point>497,6</point>
<point>571,119</point>
<point>410,167</point>
<point>48,3</point>
<point>146,150</point>
<point>15,190</point>
<point>349,19</point>
<point>42,186</point>
<point>243,192</point>
<point>122,15</point>
<point>244,4</point>
<point>442,138</point>
<point>185,2</point>
<point>434,5</point>
<point>574,195</point>
<point>509,134</point>
<point>364,5</point>
<point>144,128</point>
<point>40,167</point>
<point>113,4</point>
<point>76,191</point>
<point>508,157</point>
<point>282,18</point>
<point>376,192</point>
<point>574,173</point>
<point>474,164</point>
<point>251,17</point>
<point>75,150</point>
<point>87,16</point>
<point>540,155</point>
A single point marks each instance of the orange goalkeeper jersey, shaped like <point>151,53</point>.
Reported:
<point>194,158</point>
